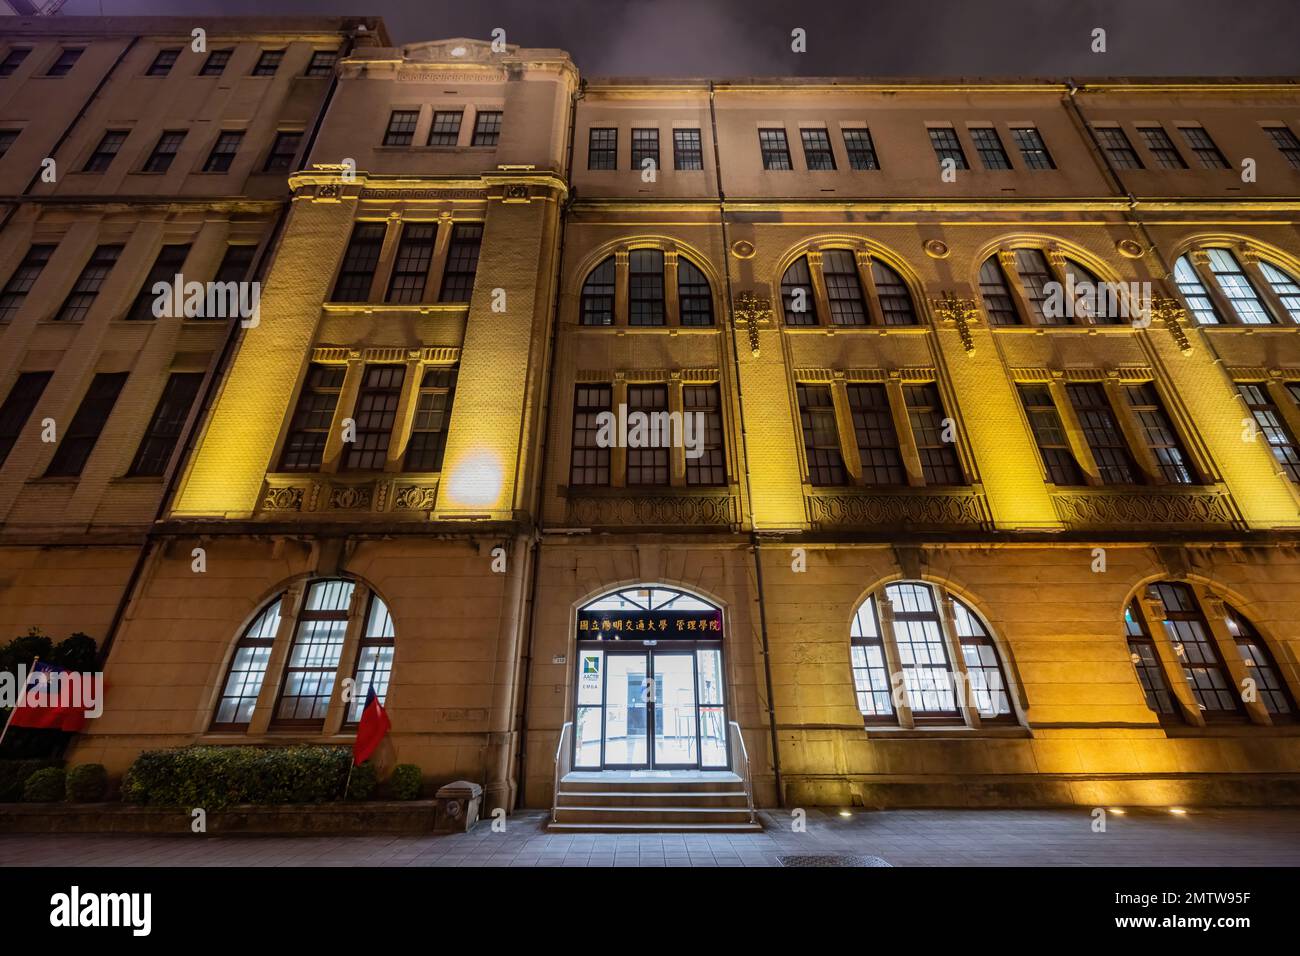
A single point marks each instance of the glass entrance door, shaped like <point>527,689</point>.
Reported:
<point>676,730</point>
<point>628,710</point>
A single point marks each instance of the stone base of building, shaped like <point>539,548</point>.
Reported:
<point>341,819</point>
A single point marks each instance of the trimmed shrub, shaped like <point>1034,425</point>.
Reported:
<point>45,786</point>
<point>406,782</point>
<point>214,777</point>
<point>87,783</point>
<point>363,782</point>
<point>14,773</point>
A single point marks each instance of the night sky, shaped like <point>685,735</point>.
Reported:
<point>732,38</point>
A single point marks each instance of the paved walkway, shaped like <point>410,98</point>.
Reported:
<point>900,837</point>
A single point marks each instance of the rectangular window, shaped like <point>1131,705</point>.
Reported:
<point>602,148</point>
<point>169,144</point>
<point>1049,434</point>
<point>283,151</point>
<point>162,64</point>
<point>817,149</point>
<point>7,139</point>
<point>775,149</point>
<point>235,264</point>
<point>1160,435</point>
<point>1119,151</point>
<point>22,280</point>
<point>711,467</point>
<point>374,414</point>
<point>645,145</point>
<point>445,130</point>
<point>223,151</point>
<point>432,416</point>
<point>1270,422</point>
<point>359,263</point>
<point>168,422</point>
<point>1102,432</point>
<point>649,465</point>
<point>86,289</point>
<point>1160,146</point>
<point>861,149</point>
<point>989,145</point>
<point>939,461</point>
<point>590,464</point>
<point>645,282</point>
<point>13,59</point>
<point>462,262</point>
<point>322,63</point>
<point>314,656</point>
<point>305,445</point>
<point>821,437</point>
<point>411,267</point>
<point>83,431</point>
<point>165,269</point>
<point>873,427</point>
<point>401,127</point>
<point>216,62</point>
<point>1033,151</point>
<point>1146,661</point>
<point>1286,142</point>
<point>687,151</point>
<point>68,57</point>
<point>18,407</point>
<point>921,652</point>
<point>1203,146</point>
<point>999,305</point>
<point>268,63</point>
<point>843,288</point>
<point>103,155</point>
<point>1211,685</point>
<point>487,128</point>
<point>947,146</point>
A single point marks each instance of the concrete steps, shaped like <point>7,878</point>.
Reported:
<point>652,801</point>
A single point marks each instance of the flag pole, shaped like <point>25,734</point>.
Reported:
<point>17,703</point>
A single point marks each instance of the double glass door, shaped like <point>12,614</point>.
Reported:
<point>650,708</point>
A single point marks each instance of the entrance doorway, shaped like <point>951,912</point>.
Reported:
<point>648,702</point>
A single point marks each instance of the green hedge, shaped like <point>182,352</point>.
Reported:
<point>361,786</point>
<point>45,786</point>
<point>405,783</point>
<point>87,783</point>
<point>14,773</point>
<point>215,777</point>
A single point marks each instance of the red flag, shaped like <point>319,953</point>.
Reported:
<point>54,699</point>
<point>374,725</point>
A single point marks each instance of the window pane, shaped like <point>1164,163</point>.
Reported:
<point>820,435</point>
<point>1105,439</point>
<point>797,294</point>
<point>590,464</point>
<point>873,427</point>
<point>597,307</point>
<point>938,457</point>
<point>1049,434</point>
<point>645,287</point>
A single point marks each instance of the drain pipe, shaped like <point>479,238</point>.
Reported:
<point>526,664</point>
<point>749,491</point>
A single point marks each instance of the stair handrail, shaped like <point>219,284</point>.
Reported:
<point>742,757</point>
<point>563,764</point>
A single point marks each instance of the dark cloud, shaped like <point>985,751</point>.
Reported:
<point>864,38</point>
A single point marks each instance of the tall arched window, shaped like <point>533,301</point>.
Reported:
<point>314,655</point>
<point>598,295</point>
<point>374,659</point>
<point>247,670</point>
<point>1223,285</point>
<point>647,275</point>
<point>905,639</point>
<point>1202,633</point>
<point>1028,286</point>
<point>857,289</point>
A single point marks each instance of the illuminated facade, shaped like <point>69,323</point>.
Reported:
<point>1068,537</point>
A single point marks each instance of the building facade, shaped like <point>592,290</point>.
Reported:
<point>971,468</point>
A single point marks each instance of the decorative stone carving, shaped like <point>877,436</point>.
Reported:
<point>960,312</point>
<point>912,509</point>
<point>751,310</point>
<point>350,497</point>
<point>282,499</point>
<point>696,510</point>
<point>1171,313</point>
<point>1084,509</point>
<point>415,497</point>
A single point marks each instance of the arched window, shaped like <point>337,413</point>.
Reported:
<point>598,295</point>
<point>858,291</point>
<point>374,659</point>
<point>1026,286</point>
<point>903,668</point>
<point>1222,285</point>
<point>693,296</point>
<point>314,655</point>
<point>1269,686</point>
<point>648,273</point>
<point>247,669</point>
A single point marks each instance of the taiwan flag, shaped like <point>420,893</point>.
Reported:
<point>374,725</point>
<point>54,699</point>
